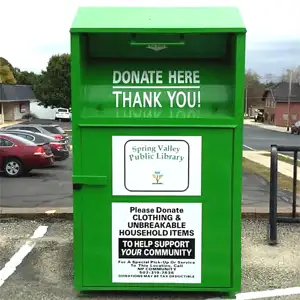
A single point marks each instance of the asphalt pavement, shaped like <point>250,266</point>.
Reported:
<point>256,138</point>
<point>52,187</point>
<point>49,187</point>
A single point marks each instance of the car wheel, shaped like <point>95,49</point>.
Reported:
<point>13,167</point>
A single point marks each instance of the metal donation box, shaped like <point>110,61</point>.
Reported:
<point>157,102</point>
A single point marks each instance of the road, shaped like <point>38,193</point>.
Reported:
<point>260,139</point>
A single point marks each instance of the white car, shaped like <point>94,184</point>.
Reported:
<point>63,114</point>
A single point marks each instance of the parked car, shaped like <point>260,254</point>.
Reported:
<point>18,155</point>
<point>52,130</point>
<point>59,148</point>
<point>63,114</point>
<point>295,128</point>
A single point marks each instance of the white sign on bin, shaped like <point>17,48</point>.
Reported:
<point>157,165</point>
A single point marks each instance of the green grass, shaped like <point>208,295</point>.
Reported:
<point>289,160</point>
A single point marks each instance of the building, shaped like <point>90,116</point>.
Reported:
<point>14,101</point>
<point>276,106</point>
<point>41,112</point>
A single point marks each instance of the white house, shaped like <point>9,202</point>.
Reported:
<point>14,101</point>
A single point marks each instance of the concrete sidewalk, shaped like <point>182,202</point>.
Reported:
<point>283,167</point>
<point>256,197</point>
<point>266,126</point>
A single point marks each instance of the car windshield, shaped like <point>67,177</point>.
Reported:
<point>62,110</point>
<point>53,129</point>
<point>21,139</point>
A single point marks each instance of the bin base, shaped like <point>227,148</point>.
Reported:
<point>230,296</point>
<point>137,294</point>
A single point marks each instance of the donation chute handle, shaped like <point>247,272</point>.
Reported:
<point>134,42</point>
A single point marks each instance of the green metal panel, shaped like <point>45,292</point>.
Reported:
<point>217,214</point>
<point>214,99</point>
<point>154,19</point>
<point>204,49</point>
<point>111,45</point>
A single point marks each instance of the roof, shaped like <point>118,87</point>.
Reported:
<point>15,92</point>
<point>149,19</point>
<point>280,92</point>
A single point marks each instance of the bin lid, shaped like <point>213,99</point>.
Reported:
<point>158,19</point>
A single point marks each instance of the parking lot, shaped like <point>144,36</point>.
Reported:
<point>46,272</point>
<point>49,187</point>
<point>40,266</point>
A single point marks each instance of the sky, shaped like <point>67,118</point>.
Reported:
<point>33,30</point>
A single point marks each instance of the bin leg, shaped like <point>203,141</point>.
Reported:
<point>230,296</point>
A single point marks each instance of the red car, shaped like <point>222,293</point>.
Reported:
<point>19,156</point>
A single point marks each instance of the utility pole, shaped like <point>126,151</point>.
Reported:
<point>289,100</point>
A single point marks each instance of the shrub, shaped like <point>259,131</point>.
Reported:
<point>29,116</point>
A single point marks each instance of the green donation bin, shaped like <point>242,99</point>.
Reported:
<point>157,103</point>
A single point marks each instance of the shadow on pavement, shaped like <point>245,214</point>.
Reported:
<point>256,192</point>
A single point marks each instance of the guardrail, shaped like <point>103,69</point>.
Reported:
<point>273,216</point>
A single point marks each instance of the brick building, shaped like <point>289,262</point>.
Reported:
<point>276,104</point>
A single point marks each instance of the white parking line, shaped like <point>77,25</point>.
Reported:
<point>18,257</point>
<point>49,212</point>
<point>269,294</point>
<point>248,147</point>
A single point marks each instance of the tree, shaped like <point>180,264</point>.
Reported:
<point>27,78</point>
<point>254,89</point>
<point>53,87</point>
<point>6,72</point>
<point>270,80</point>
<point>295,75</point>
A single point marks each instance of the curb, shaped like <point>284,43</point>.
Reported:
<point>66,213</point>
<point>48,213</point>
<point>267,128</point>
<point>4,125</point>
<point>263,212</point>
